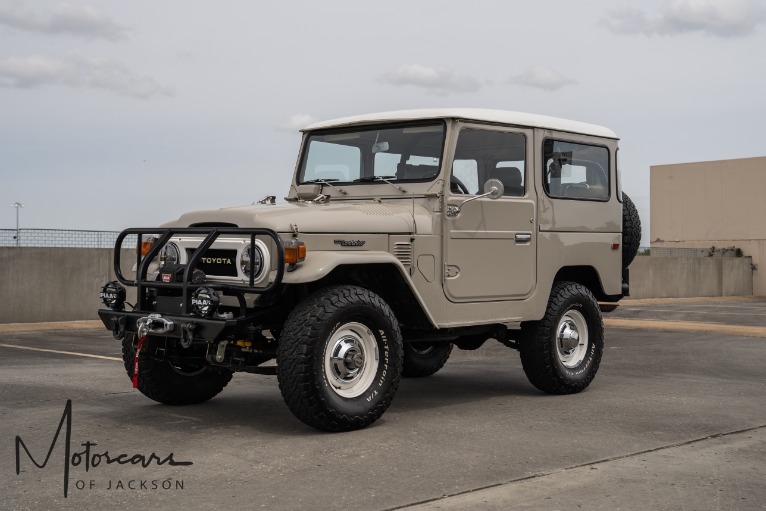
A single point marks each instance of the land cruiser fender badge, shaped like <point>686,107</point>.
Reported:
<point>350,243</point>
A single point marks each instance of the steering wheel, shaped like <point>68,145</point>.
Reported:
<point>457,186</point>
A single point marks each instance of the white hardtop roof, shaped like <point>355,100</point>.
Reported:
<point>476,114</point>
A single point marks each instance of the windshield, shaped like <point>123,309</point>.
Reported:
<point>401,153</point>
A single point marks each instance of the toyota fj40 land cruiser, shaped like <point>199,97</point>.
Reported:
<point>403,234</point>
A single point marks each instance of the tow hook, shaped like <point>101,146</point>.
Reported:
<point>118,328</point>
<point>155,324</point>
<point>187,334</point>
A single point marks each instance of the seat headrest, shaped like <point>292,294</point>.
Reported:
<point>510,177</point>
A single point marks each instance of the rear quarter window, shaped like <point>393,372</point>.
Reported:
<point>575,171</point>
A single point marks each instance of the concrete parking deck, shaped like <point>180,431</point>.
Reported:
<point>674,420</point>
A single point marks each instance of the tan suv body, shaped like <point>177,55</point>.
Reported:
<point>413,231</point>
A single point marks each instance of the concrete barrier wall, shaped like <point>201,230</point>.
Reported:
<point>685,277</point>
<point>62,284</point>
<point>53,284</point>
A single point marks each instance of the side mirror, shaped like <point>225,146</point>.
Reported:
<point>380,147</point>
<point>493,189</point>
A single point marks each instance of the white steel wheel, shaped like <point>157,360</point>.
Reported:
<point>561,352</point>
<point>339,358</point>
<point>572,339</point>
<point>351,360</point>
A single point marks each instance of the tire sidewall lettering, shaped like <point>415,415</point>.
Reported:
<point>377,324</point>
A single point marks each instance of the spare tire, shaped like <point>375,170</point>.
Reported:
<point>631,231</point>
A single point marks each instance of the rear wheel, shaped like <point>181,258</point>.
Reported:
<point>424,358</point>
<point>561,352</point>
<point>339,358</point>
<point>169,383</point>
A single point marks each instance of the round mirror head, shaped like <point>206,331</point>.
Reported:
<point>495,188</point>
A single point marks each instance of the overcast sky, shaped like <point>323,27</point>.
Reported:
<point>116,114</point>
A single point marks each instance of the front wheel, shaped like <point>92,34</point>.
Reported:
<point>339,358</point>
<point>561,353</point>
<point>170,383</point>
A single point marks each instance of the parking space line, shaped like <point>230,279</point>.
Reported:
<point>691,311</point>
<point>73,353</point>
<point>687,326</point>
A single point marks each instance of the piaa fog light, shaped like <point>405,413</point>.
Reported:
<point>205,302</point>
<point>113,295</point>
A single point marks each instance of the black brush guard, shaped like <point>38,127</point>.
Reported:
<point>186,326</point>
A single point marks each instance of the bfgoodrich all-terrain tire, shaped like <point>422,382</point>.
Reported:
<point>172,384</point>
<point>424,358</point>
<point>339,358</point>
<point>561,352</point>
<point>631,231</point>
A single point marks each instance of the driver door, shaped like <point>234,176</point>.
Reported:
<point>490,246</point>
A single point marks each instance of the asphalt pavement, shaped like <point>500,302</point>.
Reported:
<point>675,419</point>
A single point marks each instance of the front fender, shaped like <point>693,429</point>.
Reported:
<point>319,264</point>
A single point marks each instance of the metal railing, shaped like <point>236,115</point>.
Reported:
<point>58,238</point>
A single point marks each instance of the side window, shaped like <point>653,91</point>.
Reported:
<point>481,155</point>
<point>511,173</point>
<point>465,176</point>
<point>576,171</point>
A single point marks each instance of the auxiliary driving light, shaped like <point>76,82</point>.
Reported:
<point>205,302</point>
<point>113,295</point>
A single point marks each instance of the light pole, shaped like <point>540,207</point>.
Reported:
<point>18,206</point>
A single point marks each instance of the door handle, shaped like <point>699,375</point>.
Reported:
<point>523,238</point>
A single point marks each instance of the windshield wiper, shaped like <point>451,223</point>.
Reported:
<point>385,179</point>
<point>328,183</point>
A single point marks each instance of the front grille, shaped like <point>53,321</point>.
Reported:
<point>216,262</point>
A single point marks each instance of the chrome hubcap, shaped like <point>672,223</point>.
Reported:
<point>572,339</point>
<point>351,360</point>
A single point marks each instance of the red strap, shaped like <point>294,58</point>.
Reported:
<point>141,339</point>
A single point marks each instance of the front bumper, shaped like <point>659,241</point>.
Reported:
<point>185,324</point>
<point>192,328</point>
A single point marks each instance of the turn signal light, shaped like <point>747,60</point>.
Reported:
<point>295,251</point>
<point>147,242</point>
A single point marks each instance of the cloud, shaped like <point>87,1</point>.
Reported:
<point>542,78</point>
<point>438,81</point>
<point>297,122</point>
<point>65,18</point>
<point>722,18</point>
<point>76,70</point>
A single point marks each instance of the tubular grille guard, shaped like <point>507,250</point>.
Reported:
<point>211,234</point>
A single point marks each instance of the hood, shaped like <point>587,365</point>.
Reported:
<point>340,217</point>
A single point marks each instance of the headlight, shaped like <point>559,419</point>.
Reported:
<point>113,295</point>
<point>244,260</point>
<point>169,254</point>
<point>205,302</point>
